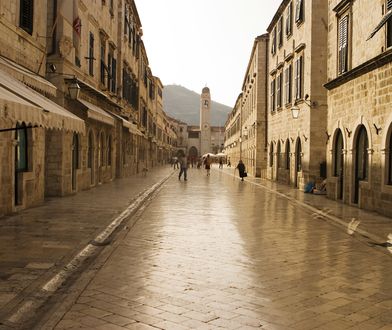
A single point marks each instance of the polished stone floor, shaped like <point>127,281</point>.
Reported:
<point>215,252</point>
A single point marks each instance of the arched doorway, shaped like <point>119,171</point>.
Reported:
<point>338,162</point>
<point>278,159</point>
<point>361,170</point>
<point>389,157</point>
<point>90,156</point>
<point>288,159</point>
<point>75,159</point>
<point>192,155</point>
<point>21,161</point>
<point>101,156</point>
<point>298,161</point>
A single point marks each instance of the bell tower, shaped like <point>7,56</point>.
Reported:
<point>205,121</point>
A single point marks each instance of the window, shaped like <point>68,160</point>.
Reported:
<point>389,23</point>
<point>279,91</point>
<point>298,77</point>
<point>299,11</point>
<point>280,32</point>
<point>272,95</point>
<point>289,19</point>
<point>91,55</point>
<point>287,84</point>
<point>103,67</point>
<point>112,68</point>
<point>26,15</point>
<point>343,45</point>
<point>273,42</point>
<point>21,156</point>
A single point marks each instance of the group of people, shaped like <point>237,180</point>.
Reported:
<point>183,165</point>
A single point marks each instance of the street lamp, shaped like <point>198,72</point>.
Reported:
<point>295,111</point>
<point>74,89</point>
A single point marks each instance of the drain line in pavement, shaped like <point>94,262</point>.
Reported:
<point>89,251</point>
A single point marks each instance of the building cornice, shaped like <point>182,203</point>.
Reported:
<point>360,70</point>
<point>341,5</point>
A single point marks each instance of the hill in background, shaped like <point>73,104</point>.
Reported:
<point>183,104</point>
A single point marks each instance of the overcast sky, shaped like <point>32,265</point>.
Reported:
<point>194,43</point>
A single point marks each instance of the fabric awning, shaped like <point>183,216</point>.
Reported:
<point>385,18</point>
<point>23,104</point>
<point>126,123</point>
<point>26,76</point>
<point>96,113</point>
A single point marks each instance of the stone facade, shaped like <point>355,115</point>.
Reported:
<point>359,103</point>
<point>297,71</point>
<point>115,127</point>
<point>254,110</point>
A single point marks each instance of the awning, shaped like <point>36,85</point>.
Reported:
<point>23,104</point>
<point>95,112</point>
<point>26,76</point>
<point>386,17</point>
<point>131,126</point>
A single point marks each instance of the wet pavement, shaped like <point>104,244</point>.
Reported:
<point>36,243</point>
<point>215,252</point>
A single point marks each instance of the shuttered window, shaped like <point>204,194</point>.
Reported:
<point>287,84</point>
<point>272,95</point>
<point>26,15</point>
<point>91,55</point>
<point>299,11</point>
<point>389,25</point>
<point>279,91</point>
<point>280,32</point>
<point>289,20</point>
<point>343,45</point>
<point>273,43</point>
<point>298,77</point>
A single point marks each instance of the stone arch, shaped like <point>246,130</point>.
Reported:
<point>386,156</point>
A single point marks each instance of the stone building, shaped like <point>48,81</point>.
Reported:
<point>27,115</point>
<point>253,111</point>
<point>359,103</point>
<point>79,105</point>
<point>297,72</point>
<point>233,130</point>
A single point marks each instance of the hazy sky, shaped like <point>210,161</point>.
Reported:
<point>194,43</point>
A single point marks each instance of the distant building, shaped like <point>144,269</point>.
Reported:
<point>195,141</point>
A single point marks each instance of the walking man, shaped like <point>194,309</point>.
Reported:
<point>183,167</point>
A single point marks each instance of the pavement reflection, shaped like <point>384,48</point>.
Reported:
<point>215,252</point>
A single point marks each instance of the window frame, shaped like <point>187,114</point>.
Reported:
<point>26,16</point>
<point>288,77</point>
<point>343,44</point>
<point>91,54</point>
<point>299,12</point>
<point>299,77</point>
<point>289,20</point>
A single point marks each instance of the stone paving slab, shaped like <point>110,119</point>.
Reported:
<point>217,253</point>
<point>37,242</point>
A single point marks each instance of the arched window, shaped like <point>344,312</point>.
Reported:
<point>287,152</point>
<point>271,155</point>
<point>362,159</point>
<point>109,156</point>
<point>278,162</point>
<point>338,154</point>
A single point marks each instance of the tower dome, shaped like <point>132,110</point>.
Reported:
<point>206,90</point>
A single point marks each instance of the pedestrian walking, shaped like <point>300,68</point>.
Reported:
<point>241,170</point>
<point>183,167</point>
<point>220,162</point>
<point>207,164</point>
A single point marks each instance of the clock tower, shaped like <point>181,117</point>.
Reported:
<point>205,121</point>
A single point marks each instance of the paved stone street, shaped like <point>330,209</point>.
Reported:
<point>214,252</point>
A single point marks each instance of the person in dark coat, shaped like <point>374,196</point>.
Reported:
<point>241,170</point>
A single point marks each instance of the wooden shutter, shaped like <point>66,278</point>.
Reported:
<point>298,78</point>
<point>91,55</point>
<point>280,32</point>
<point>273,44</point>
<point>288,19</point>
<point>389,5</point>
<point>299,11</point>
<point>272,94</point>
<point>26,15</point>
<point>279,90</point>
<point>343,44</point>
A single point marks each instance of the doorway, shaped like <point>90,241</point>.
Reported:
<point>75,159</point>
<point>339,163</point>
<point>361,164</point>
